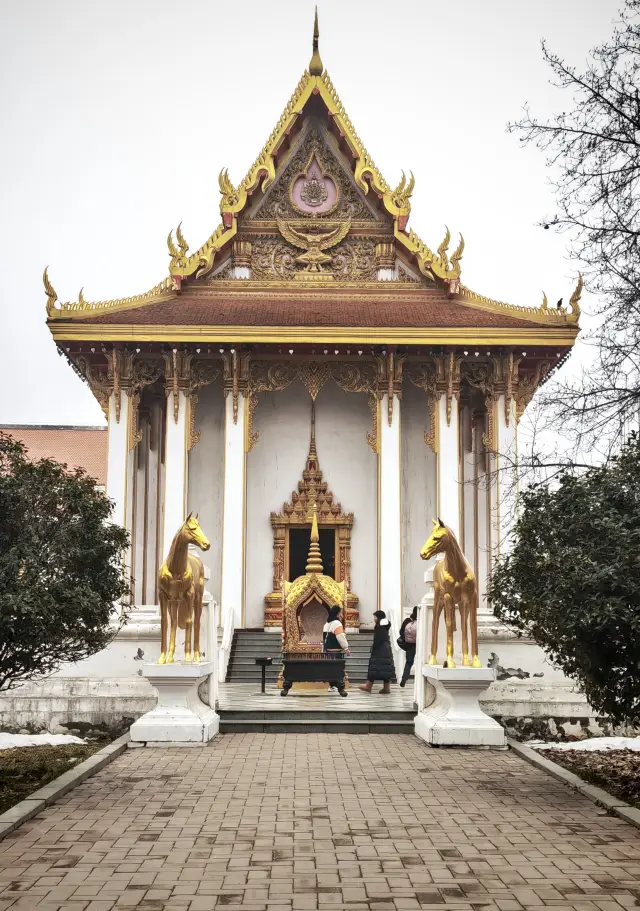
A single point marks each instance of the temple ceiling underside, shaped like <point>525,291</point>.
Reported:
<point>313,245</point>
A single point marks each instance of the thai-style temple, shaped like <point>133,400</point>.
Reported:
<point>313,351</point>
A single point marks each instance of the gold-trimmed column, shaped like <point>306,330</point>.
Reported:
<point>177,376</point>
<point>449,490</point>
<point>236,414</point>
<point>390,485</point>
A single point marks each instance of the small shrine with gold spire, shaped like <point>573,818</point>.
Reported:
<point>312,312</point>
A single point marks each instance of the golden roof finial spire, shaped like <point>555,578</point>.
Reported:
<point>312,445</point>
<point>314,560</point>
<point>315,67</point>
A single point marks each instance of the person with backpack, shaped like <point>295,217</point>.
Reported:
<point>407,642</point>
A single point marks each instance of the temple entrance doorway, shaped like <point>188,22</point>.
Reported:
<point>299,540</point>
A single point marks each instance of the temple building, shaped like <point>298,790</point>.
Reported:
<point>314,351</point>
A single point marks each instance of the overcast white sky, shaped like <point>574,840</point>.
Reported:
<point>119,114</point>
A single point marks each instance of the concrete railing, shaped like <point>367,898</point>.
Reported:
<point>422,641</point>
<point>224,653</point>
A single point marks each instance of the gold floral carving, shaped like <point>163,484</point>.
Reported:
<point>314,376</point>
<point>185,373</point>
<point>353,378</point>
<point>527,385</point>
<point>236,377</point>
<point>143,373</point>
<point>273,259</point>
<point>390,379</point>
<point>406,277</point>
<point>202,373</point>
<point>225,273</point>
<point>279,203</point>
<point>97,382</point>
<point>355,260</point>
<point>423,376</point>
<point>265,377</point>
<point>268,377</point>
<point>448,379</point>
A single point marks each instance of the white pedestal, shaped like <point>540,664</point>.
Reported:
<point>455,718</point>
<point>180,717</point>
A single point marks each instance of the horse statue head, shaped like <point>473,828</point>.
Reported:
<point>437,541</point>
<point>194,533</point>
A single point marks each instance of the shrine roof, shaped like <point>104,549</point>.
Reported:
<point>252,308</point>
<point>272,315</point>
<point>313,187</point>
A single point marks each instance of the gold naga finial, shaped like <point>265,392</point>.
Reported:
<point>184,246</point>
<point>574,300</point>
<point>174,253</point>
<point>545,302</point>
<point>403,191</point>
<point>444,246</point>
<point>314,560</point>
<point>229,192</point>
<point>457,256</point>
<point>52,297</point>
<point>315,66</point>
<point>81,301</point>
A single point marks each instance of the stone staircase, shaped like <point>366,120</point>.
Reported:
<point>251,644</point>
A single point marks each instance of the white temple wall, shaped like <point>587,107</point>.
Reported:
<point>350,467</point>
<point>206,477</point>
<point>275,465</point>
<point>418,492</point>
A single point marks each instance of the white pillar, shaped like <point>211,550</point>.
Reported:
<point>449,487</point>
<point>234,510</point>
<point>119,479</point>
<point>503,482</point>
<point>390,511</point>
<point>175,470</point>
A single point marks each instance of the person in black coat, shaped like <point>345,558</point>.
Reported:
<point>381,659</point>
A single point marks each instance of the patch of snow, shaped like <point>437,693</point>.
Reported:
<point>592,744</point>
<point>7,741</point>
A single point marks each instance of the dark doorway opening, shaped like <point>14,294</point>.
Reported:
<point>299,541</point>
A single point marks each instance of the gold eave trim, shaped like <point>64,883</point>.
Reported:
<point>539,335</point>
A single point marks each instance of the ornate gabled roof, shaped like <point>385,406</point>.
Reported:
<point>187,269</point>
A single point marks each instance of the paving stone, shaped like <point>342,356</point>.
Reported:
<point>320,822</point>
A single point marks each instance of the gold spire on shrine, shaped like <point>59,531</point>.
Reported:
<point>315,66</point>
<point>314,560</point>
<point>313,453</point>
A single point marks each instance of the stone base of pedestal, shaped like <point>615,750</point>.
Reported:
<point>180,717</point>
<point>455,718</point>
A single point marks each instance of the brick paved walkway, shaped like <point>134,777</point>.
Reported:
<point>256,821</point>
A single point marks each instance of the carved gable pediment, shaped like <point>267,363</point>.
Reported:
<point>314,182</point>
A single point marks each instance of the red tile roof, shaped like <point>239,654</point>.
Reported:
<point>77,447</point>
<point>263,308</point>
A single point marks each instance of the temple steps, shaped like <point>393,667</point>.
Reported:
<point>244,709</point>
<point>251,644</point>
<point>317,723</point>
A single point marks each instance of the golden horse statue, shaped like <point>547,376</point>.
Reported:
<point>181,587</point>
<point>454,584</point>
